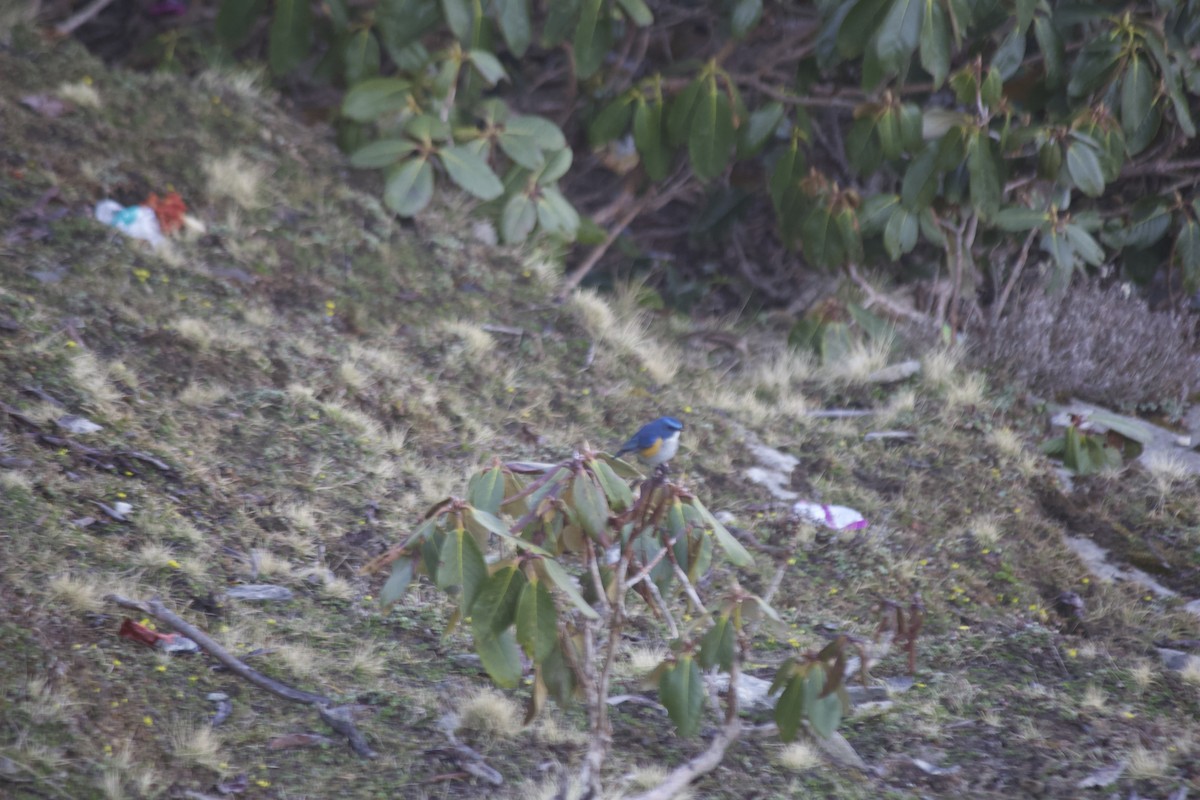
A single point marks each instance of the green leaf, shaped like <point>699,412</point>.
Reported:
<point>859,26</point>
<point>818,233</point>
<point>863,153</point>
<point>851,237</point>
<point>825,713</point>
<point>557,164</point>
<point>734,551</point>
<point>460,17</point>
<point>470,172</point>
<point>403,22</point>
<point>1137,104</point>
<point>485,491</point>
<point>789,164</point>
<point>1050,160</point>
<point>619,496</point>
<point>899,34</point>
<point>1151,221</point>
<point>759,128</point>
<point>711,137</point>
<point>921,178</point>
<point>497,528</point>
<point>875,211</point>
<point>648,138</point>
<point>593,36</point>
<point>900,233</point>
<point>515,26</point>
<point>912,124</point>
<point>235,19</point>
<point>555,214</point>
<point>984,165</point>
<point>544,133</point>
<point>361,54</point>
<point>590,506</point>
<point>1053,51</point>
<point>1009,55</point>
<point>291,30</point>
<point>488,66</point>
<point>559,577</point>
<point>637,11</point>
<point>1084,244</point>
<point>745,17</point>
<point>935,42</point>
<point>561,15</point>
<point>1017,218</point>
<point>612,121</point>
<point>888,129</point>
<point>717,646</point>
<point>460,564</point>
<point>558,677</point>
<point>683,108</point>
<point>518,219</point>
<point>500,657</point>
<point>681,690</point>
<point>382,153</point>
<point>1095,64</point>
<point>522,149</point>
<point>1187,251</point>
<point>375,97</point>
<point>496,607</point>
<point>1083,165</point>
<point>537,622</point>
<point>397,583</point>
<point>789,709</point>
<point>409,187</point>
<point>427,128</point>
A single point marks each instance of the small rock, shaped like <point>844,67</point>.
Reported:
<point>73,423</point>
<point>259,591</point>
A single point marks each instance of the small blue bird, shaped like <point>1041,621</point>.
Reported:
<point>656,443</point>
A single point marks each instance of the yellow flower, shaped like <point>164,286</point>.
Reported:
<point>148,721</point>
<point>173,564</point>
<point>72,343</point>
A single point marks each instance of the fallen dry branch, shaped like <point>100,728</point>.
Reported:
<point>108,460</point>
<point>339,719</point>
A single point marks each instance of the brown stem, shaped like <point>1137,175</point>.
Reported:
<point>338,718</point>
<point>1018,268</point>
<point>679,778</point>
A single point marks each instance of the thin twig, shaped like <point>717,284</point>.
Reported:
<point>875,298</point>
<point>337,718</point>
<point>80,19</point>
<point>1018,268</point>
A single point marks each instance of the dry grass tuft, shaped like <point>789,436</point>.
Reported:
<point>939,368</point>
<point>986,530</point>
<point>1006,442</point>
<point>202,395</point>
<point>798,757</point>
<point>477,343</point>
<point>1166,471</point>
<point>626,334</point>
<point>93,379</point>
<point>237,178</point>
<point>650,776</point>
<point>197,743</point>
<point>80,93</point>
<point>80,594</point>
<point>1094,698</point>
<point>490,713</point>
<point>1145,763</point>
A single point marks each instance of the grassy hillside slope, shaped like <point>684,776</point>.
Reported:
<point>313,375</point>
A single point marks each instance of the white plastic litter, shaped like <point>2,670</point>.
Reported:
<point>839,518</point>
<point>139,222</point>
